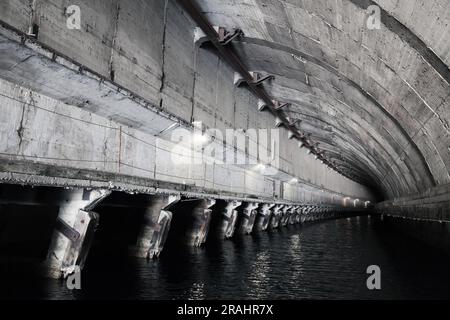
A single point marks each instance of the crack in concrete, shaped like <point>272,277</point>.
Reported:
<point>20,62</point>
<point>437,115</point>
<point>163,54</point>
<point>112,72</point>
<point>20,130</point>
<point>105,149</point>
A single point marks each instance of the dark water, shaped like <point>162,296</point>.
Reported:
<point>326,260</point>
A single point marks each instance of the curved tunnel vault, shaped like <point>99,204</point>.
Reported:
<point>375,100</point>
<point>87,115</point>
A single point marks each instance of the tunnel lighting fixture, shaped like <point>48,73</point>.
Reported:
<point>260,167</point>
<point>200,138</point>
<point>309,151</point>
<point>301,144</point>
<point>293,181</point>
<point>345,200</point>
<point>291,135</point>
<point>278,122</point>
<point>261,105</point>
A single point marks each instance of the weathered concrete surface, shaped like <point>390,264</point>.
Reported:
<point>155,229</point>
<point>350,87</point>
<point>198,231</point>
<point>247,218</point>
<point>376,101</point>
<point>285,213</point>
<point>263,217</point>
<point>431,205</point>
<point>75,227</point>
<point>118,84</point>
<point>275,217</point>
<point>78,148</point>
<point>227,220</point>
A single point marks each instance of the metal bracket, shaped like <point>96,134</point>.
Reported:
<point>225,37</point>
<point>261,105</point>
<point>69,232</point>
<point>279,105</point>
<point>294,122</point>
<point>257,77</point>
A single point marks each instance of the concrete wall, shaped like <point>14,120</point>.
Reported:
<point>41,136</point>
<point>431,205</point>
<point>129,74</point>
<point>377,98</point>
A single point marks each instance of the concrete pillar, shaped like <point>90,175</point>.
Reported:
<point>302,211</point>
<point>74,231</point>
<point>308,214</point>
<point>229,216</point>
<point>200,226</point>
<point>313,213</point>
<point>285,215</point>
<point>298,215</point>
<point>318,214</point>
<point>249,213</point>
<point>293,215</point>
<point>263,216</point>
<point>275,217</point>
<point>153,234</point>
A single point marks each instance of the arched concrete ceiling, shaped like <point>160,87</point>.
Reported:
<point>376,101</point>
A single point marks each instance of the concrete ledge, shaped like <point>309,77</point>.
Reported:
<point>19,172</point>
<point>432,205</point>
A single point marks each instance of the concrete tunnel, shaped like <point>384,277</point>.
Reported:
<point>218,117</point>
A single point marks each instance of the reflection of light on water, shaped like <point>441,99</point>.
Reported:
<point>296,252</point>
<point>260,273</point>
<point>295,242</point>
<point>196,291</point>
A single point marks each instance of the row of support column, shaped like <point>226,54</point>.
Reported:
<point>77,222</point>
